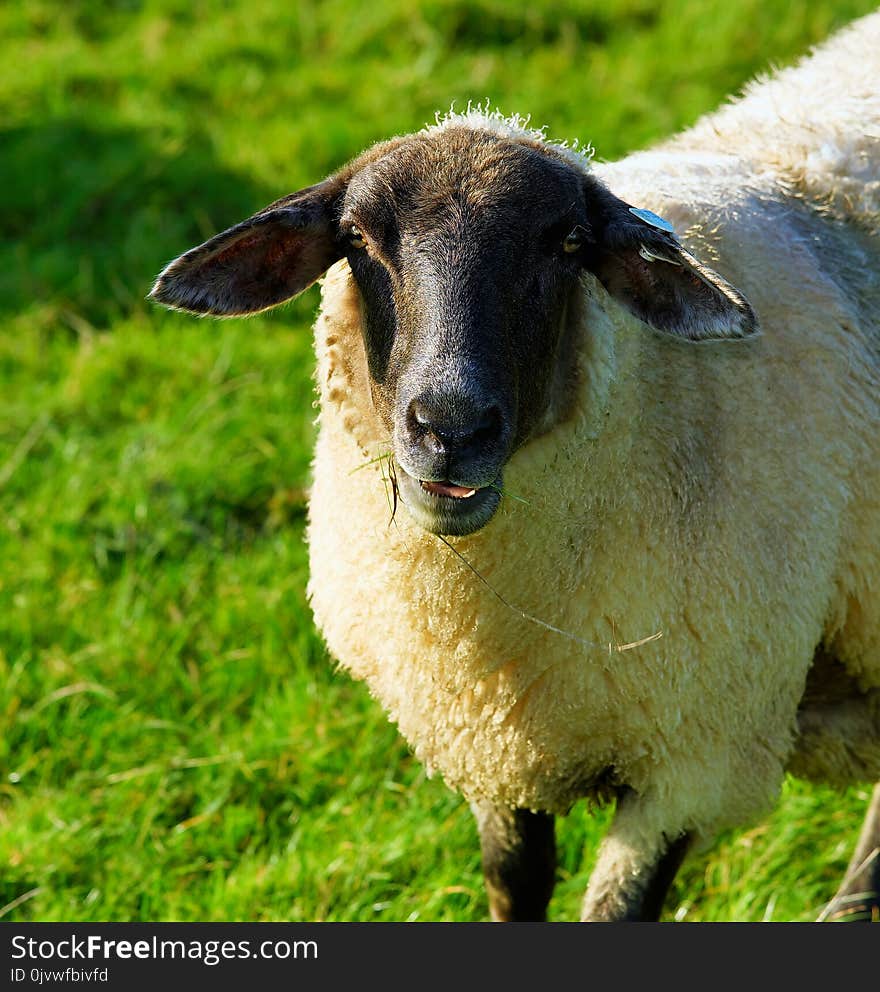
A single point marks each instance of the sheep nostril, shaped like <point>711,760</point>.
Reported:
<point>487,429</point>
<point>423,425</point>
<point>419,413</point>
<point>420,418</point>
<point>445,431</point>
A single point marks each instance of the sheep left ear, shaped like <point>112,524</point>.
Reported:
<point>260,262</point>
<point>639,261</point>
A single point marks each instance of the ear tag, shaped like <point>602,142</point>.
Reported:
<point>652,220</point>
<point>650,256</point>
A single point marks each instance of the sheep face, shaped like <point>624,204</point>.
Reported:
<point>466,246</point>
<point>465,249</point>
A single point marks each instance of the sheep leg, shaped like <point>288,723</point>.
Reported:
<point>519,861</point>
<point>858,898</point>
<point>634,870</point>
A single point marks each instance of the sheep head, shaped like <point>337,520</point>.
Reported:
<point>466,246</point>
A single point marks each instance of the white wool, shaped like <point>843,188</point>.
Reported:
<point>481,117</point>
<point>816,124</point>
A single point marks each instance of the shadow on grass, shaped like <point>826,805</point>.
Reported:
<point>92,213</point>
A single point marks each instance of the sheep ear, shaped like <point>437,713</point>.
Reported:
<point>642,265</point>
<point>260,262</point>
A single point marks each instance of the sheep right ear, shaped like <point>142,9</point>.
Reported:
<point>260,262</point>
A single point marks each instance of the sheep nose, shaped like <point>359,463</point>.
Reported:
<point>455,426</point>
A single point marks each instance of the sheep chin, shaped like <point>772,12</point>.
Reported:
<point>444,515</point>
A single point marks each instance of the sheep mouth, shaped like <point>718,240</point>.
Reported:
<point>447,489</point>
<point>446,507</point>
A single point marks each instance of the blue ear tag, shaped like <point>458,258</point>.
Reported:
<point>647,217</point>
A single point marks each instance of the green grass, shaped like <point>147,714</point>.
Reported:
<point>174,741</point>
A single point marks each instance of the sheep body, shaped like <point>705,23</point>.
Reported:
<point>676,600</point>
<point>722,495</point>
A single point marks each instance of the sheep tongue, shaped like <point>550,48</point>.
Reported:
<point>447,489</point>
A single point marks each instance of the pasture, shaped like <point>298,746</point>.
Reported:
<point>174,741</point>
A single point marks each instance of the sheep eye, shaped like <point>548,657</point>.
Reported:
<point>356,237</point>
<point>573,241</point>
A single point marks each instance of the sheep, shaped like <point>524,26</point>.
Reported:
<point>595,506</point>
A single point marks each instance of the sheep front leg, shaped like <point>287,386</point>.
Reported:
<point>519,861</point>
<point>634,869</point>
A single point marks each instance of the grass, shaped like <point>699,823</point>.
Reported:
<point>174,741</point>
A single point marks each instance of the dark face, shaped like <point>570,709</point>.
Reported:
<point>465,249</point>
